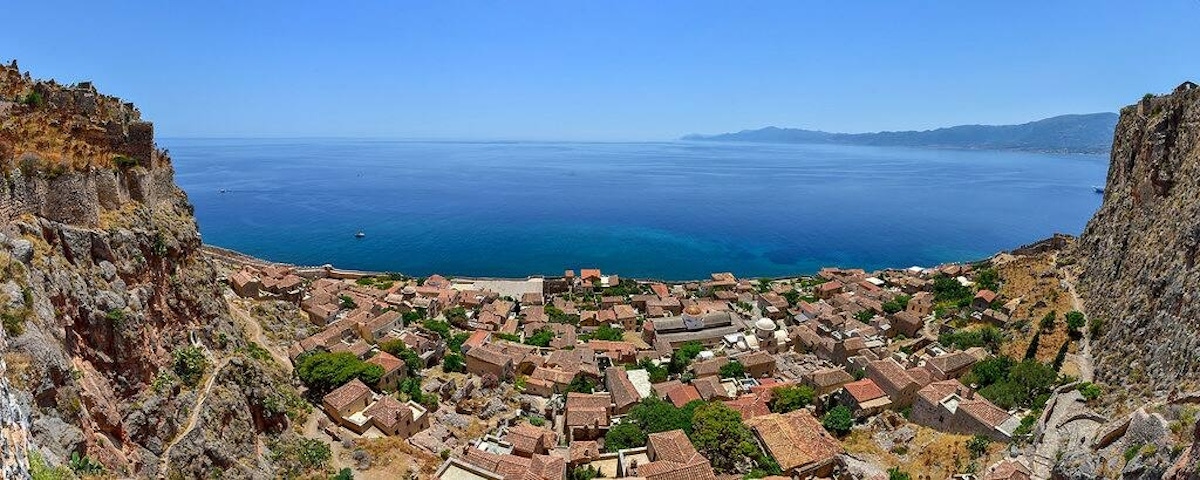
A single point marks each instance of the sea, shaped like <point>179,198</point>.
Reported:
<point>661,210</point>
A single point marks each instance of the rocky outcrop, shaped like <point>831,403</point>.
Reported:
<point>1141,250</point>
<point>103,289</point>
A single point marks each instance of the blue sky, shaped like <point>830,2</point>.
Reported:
<point>619,70</point>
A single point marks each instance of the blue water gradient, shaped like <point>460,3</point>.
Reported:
<point>672,210</point>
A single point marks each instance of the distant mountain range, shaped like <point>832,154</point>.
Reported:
<point>1088,133</point>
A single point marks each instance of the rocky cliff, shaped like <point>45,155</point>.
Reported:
<point>1139,253</point>
<point>121,351</point>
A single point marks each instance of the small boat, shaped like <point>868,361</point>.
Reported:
<point>1098,189</point>
<point>224,190</point>
<point>360,234</point>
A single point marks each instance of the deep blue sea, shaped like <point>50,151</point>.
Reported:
<point>672,210</point>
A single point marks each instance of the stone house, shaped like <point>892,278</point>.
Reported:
<point>586,415</point>
<point>951,365</point>
<point>950,406</point>
<point>346,403</point>
<point>394,370</point>
<point>758,364</point>
<point>798,442</point>
<point>672,457</point>
<point>624,395</point>
<point>895,381</point>
<point>826,380</point>
<point>489,359</point>
<point>864,398</point>
<point>398,419</point>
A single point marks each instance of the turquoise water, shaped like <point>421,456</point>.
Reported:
<point>674,210</point>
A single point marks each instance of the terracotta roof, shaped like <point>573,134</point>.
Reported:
<point>346,394</point>
<point>756,359</point>
<point>682,395</point>
<point>1008,470</point>
<point>489,354</point>
<point>864,390</point>
<point>795,439</point>
<point>388,361</point>
<point>587,409</point>
<point>986,295</point>
<point>709,367</point>
<point>387,411</point>
<point>582,450</point>
<point>661,389</point>
<point>828,377</point>
<point>675,458</point>
<point>750,405</point>
<point>623,392</point>
<point>528,438</point>
<point>952,361</point>
<point>894,377</point>
<point>710,388</point>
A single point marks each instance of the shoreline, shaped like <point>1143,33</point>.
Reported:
<point>237,257</point>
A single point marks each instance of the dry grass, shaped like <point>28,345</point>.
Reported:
<point>930,455</point>
<point>1034,280</point>
<point>394,457</point>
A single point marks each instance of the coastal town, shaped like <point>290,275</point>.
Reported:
<point>590,374</point>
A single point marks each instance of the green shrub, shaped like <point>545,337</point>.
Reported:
<point>1090,391</point>
<point>895,473</point>
<point>1048,321</point>
<point>622,436</point>
<point>123,162</point>
<point>189,364</point>
<point>978,445</point>
<point>789,398</point>
<point>322,372</point>
<point>607,332</point>
<point>85,465</point>
<point>733,369</point>
<point>296,456</point>
<point>838,421</point>
<point>453,362</point>
<point>540,338</point>
<point>33,99</point>
<point>40,470</point>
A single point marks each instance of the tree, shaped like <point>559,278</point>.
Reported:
<point>653,415</point>
<point>948,289</point>
<point>189,364</point>
<point>344,474</point>
<point>322,372</point>
<point>658,373</point>
<point>439,327</point>
<point>585,472</point>
<point>622,436</point>
<point>683,356</point>
<point>786,399</point>
<point>607,332</point>
<point>720,435</point>
<point>865,315</point>
<point>1047,322</point>
<point>413,316</point>
<point>838,421</point>
<point>978,445</point>
<point>990,371</point>
<point>581,384</point>
<point>896,304</point>
<point>541,338</point>
<point>895,473</point>
<point>733,369</point>
<point>1075,322</point>
<point>453,362</point>
<point>988,279</point>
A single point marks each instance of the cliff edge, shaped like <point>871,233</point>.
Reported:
<point>1139,253</point>
<point>122,357</point>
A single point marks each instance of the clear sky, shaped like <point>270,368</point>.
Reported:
<point>611,70</point>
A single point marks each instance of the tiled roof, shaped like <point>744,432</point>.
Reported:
<point>682,395</point>
<point>709,367</point>
<point>828,377</point>
<point>346,394</point>
<point>864,390</point>
<point>623,392</point>
<point>386,411</point>
<point>952,361</point>
<point>795,439</point>
<point>489,354</point>
<point>1008,470</point>
<point>388,361</point>
<point>756,359</point>
<point>675,459</point>
<point>584,450</point>
<point>587,409</point>
<point>710,388</point>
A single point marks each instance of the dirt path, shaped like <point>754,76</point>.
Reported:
<point>255,332</point>
<point>1083,359</point>
<point>193,417</point>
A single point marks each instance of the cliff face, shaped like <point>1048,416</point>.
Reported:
<point>120,347</point>
<point>1139,253</point>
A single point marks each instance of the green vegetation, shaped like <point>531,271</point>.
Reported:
<point>786,399</point>
<point>658,373</point>
<point>653,415</point>
<point>296,456</point>
<point>540,338</point>
<point>720,435</point>
<point>40,470</point>
<point>439,327</point>
<point>988,337</point>
<point>322,372</point>
<point>896,304</point>
<point>33,99</point>
<point>607,332</point>
<point>989,371</point>
<point>1048,321</point>
<point>255,351</point>
<point>457,316</point>
<point>978,445</point>
<point>682,357</point>
<point>123,162</point>
<point>1075,322</point>
<point>838,421</point>
<point>895,473</point>
<point>344,474</point>
<point>947,289</point>
<point>189,364</point>
<point>453,362</point>
<point>1090,391</point>
<point>1131,452</point>
<point>864,315</point>
<point>14,322</point>
<point>988,279</point>
<point>581,384</point>
<point>347,302</point>
<point>1095,326</point>
<point>456,341</point>
<point>624,435</point>
<point>1027,384</point>
<point>585,472</point>
<point>624,289</point>
<point>511,337</point>
<point>733,369</point>
<point>381,283</point>
<point>558,316</point>
<point>84,465</point>
<point>413,316</point>
<point>399,349</point>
